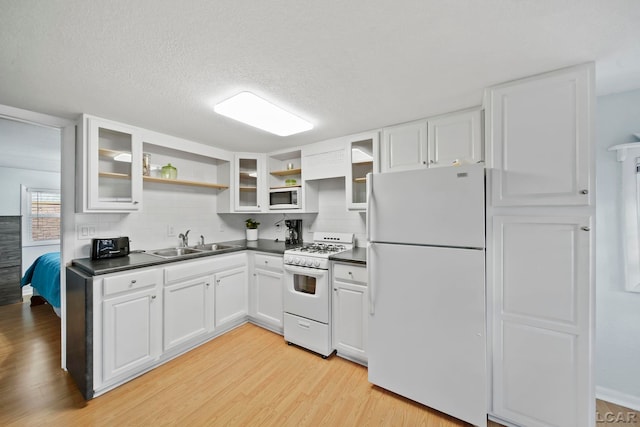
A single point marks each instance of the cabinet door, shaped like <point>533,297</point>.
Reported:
<point>132,332</point>
<point>539,138</point>
<point>350,319</point>
<point>404,147</point>
<point>249,188</point>
<point>230,295</point>
<point>268,287</point>
<point>539,268</point>
<point>187,310</point>
<point>455,139</point>
<point>362,151</point>
<point>114,167</point>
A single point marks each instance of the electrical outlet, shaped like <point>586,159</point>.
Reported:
<point>86,231</point>
<point>171,232</point>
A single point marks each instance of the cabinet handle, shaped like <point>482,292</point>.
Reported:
<point>218,281</point>
<point>424,162</point>
<point>585,228</point>
<point>266,262</point>
<point>135,202</point>
<point>432,162</point>
<point>153,297</point>
<point>208,284</point>
<point>335,289</point>
<point>133,281</point>
<point>350,273</point>
<point>584,192</point>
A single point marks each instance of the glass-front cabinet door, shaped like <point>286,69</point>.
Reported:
<point>363,159</point>
<point>248,182</point>
<point>114,167</point>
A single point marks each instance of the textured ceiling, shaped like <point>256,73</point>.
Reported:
<point>346,66</point>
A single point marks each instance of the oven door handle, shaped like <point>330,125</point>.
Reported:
<point>315,272</point>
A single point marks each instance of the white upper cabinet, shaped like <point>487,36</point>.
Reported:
<point>540,133</point>
<point>404,147</point>
<point>249,182</point>
<point>325,159</point>
<point>455,138</point>
<point>362,152</point>
<point>110,158</point>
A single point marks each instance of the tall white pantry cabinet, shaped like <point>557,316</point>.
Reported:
<point>540,217</point>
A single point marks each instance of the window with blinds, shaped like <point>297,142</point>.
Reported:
<point>41,216</point>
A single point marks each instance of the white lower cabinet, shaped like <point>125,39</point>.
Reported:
<point>132,323</point>
<point>230,295</point>
<point>541,338</point>
<point>267,289</point>
<point>145,317</point>
<point>350,298</point>
<point>188,308</point>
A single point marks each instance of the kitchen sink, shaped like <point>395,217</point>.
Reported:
<point>175,252</point>
<point>212,247</point>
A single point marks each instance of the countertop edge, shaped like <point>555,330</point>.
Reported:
<point>262,245</point>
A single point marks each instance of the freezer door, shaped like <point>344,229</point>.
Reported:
<point>440,206</point>
<point>427,327</point>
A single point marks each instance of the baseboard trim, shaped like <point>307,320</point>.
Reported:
<point>619,398</point>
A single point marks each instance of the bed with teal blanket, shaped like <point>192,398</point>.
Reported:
<point>44,276</point>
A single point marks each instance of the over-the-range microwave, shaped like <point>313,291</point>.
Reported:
<point>285,198</point>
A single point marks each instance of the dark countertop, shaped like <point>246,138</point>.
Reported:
<point>140,260</point>
<point>354,256</point>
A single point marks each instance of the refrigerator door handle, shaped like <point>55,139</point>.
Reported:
<point>369,201</point>
<point>370,281</point>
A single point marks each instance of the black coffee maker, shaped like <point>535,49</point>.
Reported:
<point>294,231</point>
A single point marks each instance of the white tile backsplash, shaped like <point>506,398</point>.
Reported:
<point>191,208</point>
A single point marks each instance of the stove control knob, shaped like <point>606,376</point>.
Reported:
<point>287,260</point>
<point>309,262</point>
<point>297,260</point>
<point>316,263</point>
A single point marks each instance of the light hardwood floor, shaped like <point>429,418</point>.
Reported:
<point>248,377</point>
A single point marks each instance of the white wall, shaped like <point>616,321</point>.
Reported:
<point>617,311</point>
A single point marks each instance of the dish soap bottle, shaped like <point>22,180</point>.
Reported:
<point>169,172</point>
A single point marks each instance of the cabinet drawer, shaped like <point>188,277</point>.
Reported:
<point>131,281</point>
<point>268,261</point>
<point>188,270</point>
<point>308,334</point>
<point>350,273</point>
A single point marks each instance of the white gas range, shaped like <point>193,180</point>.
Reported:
<point>307,299</point>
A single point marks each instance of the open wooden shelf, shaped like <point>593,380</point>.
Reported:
<point>248,188</point>
<point>287,172</point>
<point>286,186</point>
<point>365,162</point>
<point>360,180</point>
<point>184,182</point>
<point>246,175</point>
<point>114,175</point>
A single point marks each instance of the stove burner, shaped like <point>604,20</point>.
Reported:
<point>322,248</point>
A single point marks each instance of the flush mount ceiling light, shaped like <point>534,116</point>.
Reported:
<point>254,111</point>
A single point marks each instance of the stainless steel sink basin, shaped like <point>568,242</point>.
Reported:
<point>175,252</point>
<point>212,247</point>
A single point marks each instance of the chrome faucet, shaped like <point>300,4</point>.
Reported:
<point>201,240</point>
<point>184,239</point>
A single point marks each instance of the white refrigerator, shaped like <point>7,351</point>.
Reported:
<point>426,262</point>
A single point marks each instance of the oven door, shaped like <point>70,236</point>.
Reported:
<point>307,292</point>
